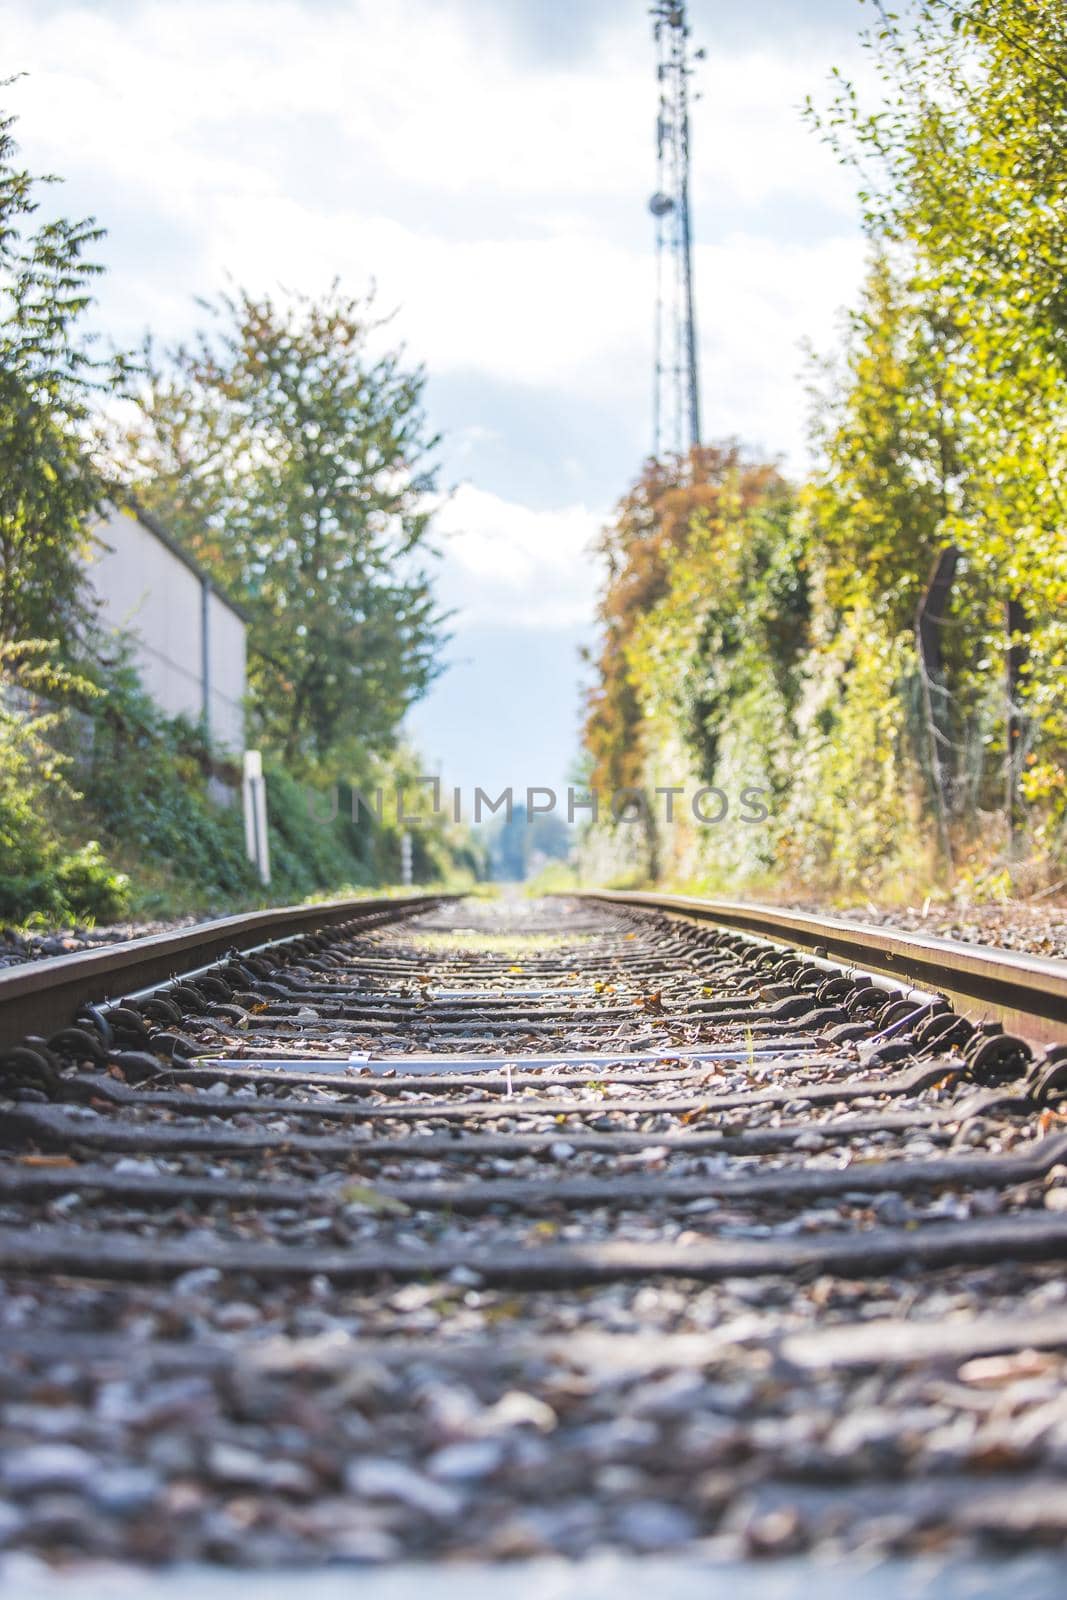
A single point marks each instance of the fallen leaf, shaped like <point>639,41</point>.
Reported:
<point>361,1194</point>
<point>989,1372</point>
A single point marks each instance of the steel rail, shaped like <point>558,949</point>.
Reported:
<point>633,1238</point>
<point>1027,993</point>
<point>39,996</point>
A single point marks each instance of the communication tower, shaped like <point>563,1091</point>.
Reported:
<point>676,394</point>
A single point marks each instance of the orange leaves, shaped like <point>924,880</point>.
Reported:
<point>655,525</point>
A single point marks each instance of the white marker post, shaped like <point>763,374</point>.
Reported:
<point>405,860</point>
<point>254,795</point>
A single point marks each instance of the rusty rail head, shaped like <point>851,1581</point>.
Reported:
<point>41,996</point>
<point>1027,993</point>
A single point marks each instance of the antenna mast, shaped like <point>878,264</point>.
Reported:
<point>676,394</point>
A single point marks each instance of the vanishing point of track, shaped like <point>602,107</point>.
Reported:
<point>427,1228</point>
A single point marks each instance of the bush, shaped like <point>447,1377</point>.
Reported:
<point>90,887</point>
<point>41,876</point>
<point>160,844</point>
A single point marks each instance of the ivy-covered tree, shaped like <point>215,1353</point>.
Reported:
<point>949,428</point>
<point>888,437</point>
<point>49,484</point>
<point>783,636</point>
<point>296,465</point>
<point>669,534</point>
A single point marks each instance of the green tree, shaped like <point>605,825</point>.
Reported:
<point>40,874</point>
<point>887,429</point>
<point>950,426</point>
<point>296,465</point>
<point>49,482</point>
<point>652,529</point>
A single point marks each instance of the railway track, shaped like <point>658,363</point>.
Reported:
<point>484,1231</point>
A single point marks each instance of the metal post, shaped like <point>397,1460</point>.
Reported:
<point>254,795</point>
<point>1015,665</point>
<point>205,655</point>
<point>928,619</point>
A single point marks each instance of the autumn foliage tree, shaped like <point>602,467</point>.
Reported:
<point>949,426</point>
<point>758,627</point>
<point>676,508</point>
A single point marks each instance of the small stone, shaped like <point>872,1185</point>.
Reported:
<point>672,1396</point>
<point>55,1422</point>
<point>196,1281</point>
<point>47,1466</point>
<point>466,1277</point>
<point>560,1150</point>
<point>654,1525</point>
<point>714,1490</point>
<point>364,1546</point>
<point>11,1521</point>
<point>517,1410</point>
<point>620,1437</point>
<point>650,1156</point>
<point>775,1532</point>
<point>468,1460</point>
<point>124,1491</point>
<point>236,1314</point>
<point>64,1519</point>
<point>514,1538</point>
<point>173,1454</point>
<point>869,1429</point>
<point>891,1209</point>
<point>135,1167</point>
<point>377,1478</point>
<point>616,1480</point>
<point>229,1463</point>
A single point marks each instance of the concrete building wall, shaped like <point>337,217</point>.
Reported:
<point>226,672</point>
<point>153,594</point>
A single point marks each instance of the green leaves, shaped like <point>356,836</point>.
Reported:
<point>949,424</point>
<point>49,483</point>
<point>40,875</point>
<point>294,461</point>
<point>366,1198</point>
<point>782,637</point>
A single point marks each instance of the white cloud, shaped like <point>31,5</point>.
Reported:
<point>507,565</point>
<point>163,89</point>
<point>761,300</point>
<point>190,108</point>
<point>184,106</point>
<point>499,202</point>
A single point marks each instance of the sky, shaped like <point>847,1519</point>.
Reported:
<point>486,164</point>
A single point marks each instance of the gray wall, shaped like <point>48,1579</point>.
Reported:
<point>150,593</point>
